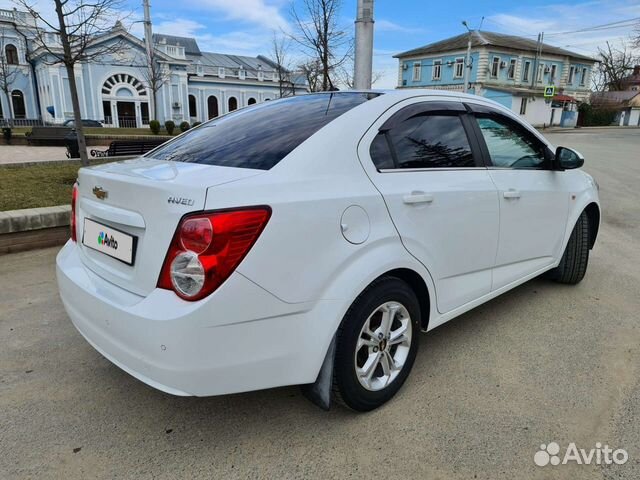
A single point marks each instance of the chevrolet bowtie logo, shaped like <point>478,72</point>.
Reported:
<point>100,193</point>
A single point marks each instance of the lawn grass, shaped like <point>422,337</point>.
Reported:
<point>43,185</point>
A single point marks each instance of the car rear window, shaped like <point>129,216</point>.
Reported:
<point>259,137</point>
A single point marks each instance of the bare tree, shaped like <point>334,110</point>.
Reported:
<point>280,57</point>
<point>79,24</point>
<point>614,64</point>
<point>312,72</point>
<point>8,73</point>
<point>156,74</point>
<point>321,38</point>
<point>345,74</point>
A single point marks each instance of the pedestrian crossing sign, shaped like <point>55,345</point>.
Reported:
<point>549,91</point>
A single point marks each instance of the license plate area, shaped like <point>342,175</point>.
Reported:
<point>110,241</point>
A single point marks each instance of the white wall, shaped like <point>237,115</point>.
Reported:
<point>538,111</point>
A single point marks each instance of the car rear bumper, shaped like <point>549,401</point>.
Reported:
<point>238,339</point>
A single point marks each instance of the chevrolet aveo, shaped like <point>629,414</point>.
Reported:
<point>309,240</point>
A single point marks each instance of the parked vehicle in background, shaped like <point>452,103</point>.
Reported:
<point>85,123</point>
<point>309,240</point>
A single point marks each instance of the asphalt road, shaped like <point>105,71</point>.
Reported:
<point>542,363</point>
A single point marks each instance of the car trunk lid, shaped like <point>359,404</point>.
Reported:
<point>145,198</point>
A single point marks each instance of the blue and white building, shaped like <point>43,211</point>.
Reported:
<point>511,70</point>
<point>114,89</point>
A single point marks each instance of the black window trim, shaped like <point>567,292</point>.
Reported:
<point>483,111</point>
<point>433,107</point>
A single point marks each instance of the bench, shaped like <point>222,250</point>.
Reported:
<point>128,148</point>
<point>47,135</point>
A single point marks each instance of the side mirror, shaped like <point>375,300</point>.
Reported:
<point>568,158</point>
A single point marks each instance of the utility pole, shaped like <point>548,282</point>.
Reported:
<point>467,63</point>
<point>534,74</point>
<point>363,64</point>
<point>148,42</point>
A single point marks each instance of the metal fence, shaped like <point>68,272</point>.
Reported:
<point>127,122</point>
<point>21,122</point>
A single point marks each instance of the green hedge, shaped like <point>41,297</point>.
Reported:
<point>595,116</point>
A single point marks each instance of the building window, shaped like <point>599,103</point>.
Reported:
<point>193,110</point>
<point>553,74</point>
<point>11,54</point>
<point>523,106</point>
<point>512,68</point>
<point>106,109</point>
<point>233,104</point>
<point>221,72</point>
<point>583,77</point>
<point>495,67</point>
<point>19,109</point>
<point>212,107</point>
<point>525,71</point>
<point>251,101</point>
<point>459,71</point>
<point>572,71</point>
<point>437,70</point>
<point>417,71</point>
<point>144,113</point>
<point>540,73</point>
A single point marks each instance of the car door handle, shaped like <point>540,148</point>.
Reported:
<point>417,197</point>
<point>511,194</point>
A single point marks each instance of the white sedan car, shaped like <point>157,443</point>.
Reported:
<point>309,240</point>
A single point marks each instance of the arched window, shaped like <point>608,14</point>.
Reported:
<point>267,99</point>
<point>114,83</point>
<point>193,111</point>
<point>233,104</point>
<point>251,101</point>
<point>11,54</point>
<point>19,109</point>
<point>212,107</point>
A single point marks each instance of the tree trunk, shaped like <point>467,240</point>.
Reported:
<point>154,104</point>
<point>69,64</point>
<point>77,117</point>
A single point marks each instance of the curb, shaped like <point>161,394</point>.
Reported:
<point>32,228</point>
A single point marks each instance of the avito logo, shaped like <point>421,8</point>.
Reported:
<point>107,240</point>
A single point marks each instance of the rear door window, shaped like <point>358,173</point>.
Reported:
<point>260,136</point>
<point>425,140</point>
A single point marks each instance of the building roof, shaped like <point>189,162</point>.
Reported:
<point>482,38</point>
<point>614,98</point>
<point>212,59</point>
<point>189,43</point>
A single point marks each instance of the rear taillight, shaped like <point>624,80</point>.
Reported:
<point>207,248</point>
<point>72,220</point>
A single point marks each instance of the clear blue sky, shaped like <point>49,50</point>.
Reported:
<point>246,26</point>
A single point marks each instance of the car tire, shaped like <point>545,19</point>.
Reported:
<point>387,305</point>
<point>575,259</point>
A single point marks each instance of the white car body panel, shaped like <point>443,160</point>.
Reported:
<point>271,322</point>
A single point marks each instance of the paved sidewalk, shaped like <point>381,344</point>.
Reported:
<point>27,153</point>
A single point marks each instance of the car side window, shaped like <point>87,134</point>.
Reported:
<point>425,140</point>
<point>510,146</point>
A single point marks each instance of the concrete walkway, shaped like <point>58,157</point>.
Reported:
<point>26,153</point>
